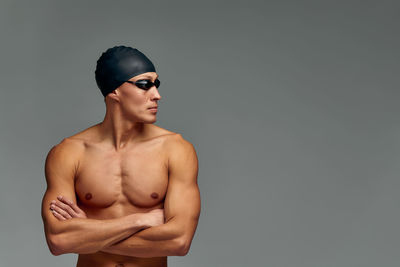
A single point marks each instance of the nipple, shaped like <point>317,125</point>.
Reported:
<point>154,195</point>
<point>88,196</point>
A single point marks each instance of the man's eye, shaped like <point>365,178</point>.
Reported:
<point>143,82</point>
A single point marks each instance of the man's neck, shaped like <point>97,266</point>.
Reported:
<point>120,131</point>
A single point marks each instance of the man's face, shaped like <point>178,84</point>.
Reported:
<point>135,102</point>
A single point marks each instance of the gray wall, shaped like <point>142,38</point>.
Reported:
<point>291,105</point>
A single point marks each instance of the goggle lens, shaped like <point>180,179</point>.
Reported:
<point>146,84</point>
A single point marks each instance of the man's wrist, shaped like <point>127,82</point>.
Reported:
<point>135,223</point>
<point>139,221</point>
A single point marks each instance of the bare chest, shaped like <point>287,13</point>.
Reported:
<point>134,179</point>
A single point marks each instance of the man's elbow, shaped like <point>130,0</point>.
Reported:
<point>58,245</point>
<point>55,245</point>
<point>183,247</point>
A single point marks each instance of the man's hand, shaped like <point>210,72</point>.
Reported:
<point>153,218</point>
<point>64,209</point>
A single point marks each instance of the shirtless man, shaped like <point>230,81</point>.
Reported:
<point>123,192</point>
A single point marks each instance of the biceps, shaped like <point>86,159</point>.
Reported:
<point>182,205</point>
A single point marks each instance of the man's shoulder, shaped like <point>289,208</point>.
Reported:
<point>175,143</point>
<point>176,139</point>
<point>82,136</point>
<point>159,131</point>
<point>165,135</point>
<point>66,148</point>
<point>63,158</point>
<point>71,146</point>
<point>79,141</point>
<point>182,156</point>
<point>169,136</point>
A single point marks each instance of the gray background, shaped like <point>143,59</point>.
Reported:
<point>292,107</point>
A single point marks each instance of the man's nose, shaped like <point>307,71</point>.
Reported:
<point>155,94</point>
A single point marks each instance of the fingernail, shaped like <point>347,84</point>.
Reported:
<point>59,197</point>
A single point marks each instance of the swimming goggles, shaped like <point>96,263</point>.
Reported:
<point>145,84</point>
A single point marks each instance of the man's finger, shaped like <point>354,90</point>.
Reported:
<point>64,208</point>
<point>69,202</point>
<point>60,211</point>
<point>57,215</point>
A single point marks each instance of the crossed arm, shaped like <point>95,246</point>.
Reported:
<point>127,235</point>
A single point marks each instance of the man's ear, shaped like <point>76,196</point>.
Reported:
<point>114,95</point>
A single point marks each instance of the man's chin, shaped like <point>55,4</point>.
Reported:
<point>150,121</point>
<point>146,119</point>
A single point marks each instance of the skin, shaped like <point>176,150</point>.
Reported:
<point>123,192</point>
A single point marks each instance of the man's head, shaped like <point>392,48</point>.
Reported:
<point>128,78</point>
<point>117,65</point>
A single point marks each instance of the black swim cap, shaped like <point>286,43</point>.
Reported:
<point>119,64</point>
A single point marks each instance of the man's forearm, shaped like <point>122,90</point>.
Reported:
<point>89,235</point>
<point>157,241</point>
